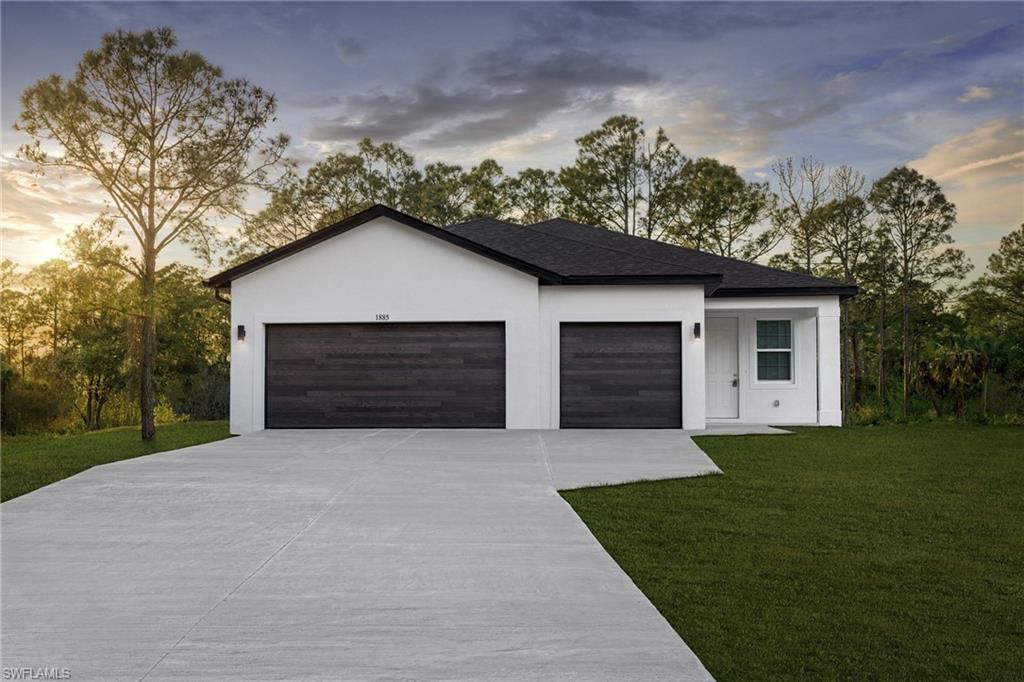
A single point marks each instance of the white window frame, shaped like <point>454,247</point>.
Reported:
<point>791,381</point>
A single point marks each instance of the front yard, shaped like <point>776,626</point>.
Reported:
<point>892,552</point>
<point>30,462</point>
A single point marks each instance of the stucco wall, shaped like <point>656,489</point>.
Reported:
<point>682,304</point>
<point>384,267</point>
<point>813,396</point>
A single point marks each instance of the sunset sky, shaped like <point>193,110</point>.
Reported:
<point>936,86</point>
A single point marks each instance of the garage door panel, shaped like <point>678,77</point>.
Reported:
<point>621,375</point>
<point>443,375</point>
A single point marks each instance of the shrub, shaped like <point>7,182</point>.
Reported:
<point>868,415</point>
<point>27,406</point>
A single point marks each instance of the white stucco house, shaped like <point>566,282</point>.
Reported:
<point>382,320</point>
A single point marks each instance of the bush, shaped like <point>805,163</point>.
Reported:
<point>868,415</point>
<point>163,413</point>
<point>28,406</point>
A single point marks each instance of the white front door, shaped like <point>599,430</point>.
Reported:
<point>721,367</point>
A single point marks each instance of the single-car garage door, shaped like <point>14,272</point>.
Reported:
<point>621,375</point>
<point>390,375</point>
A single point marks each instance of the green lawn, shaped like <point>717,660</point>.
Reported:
<point>892,552</point>
<point>27,463</point>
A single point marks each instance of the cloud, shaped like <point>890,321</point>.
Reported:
<point>349,49</point>
<point>982,172</point>
<point>38,211</point>
<point>977,93</point>
<point>314,100</point>
<point>502,93</point>
<point>993,149</point>
<point>587,22</point>
<point>744,128</point>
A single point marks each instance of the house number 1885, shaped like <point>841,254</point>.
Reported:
<point>383,317</point>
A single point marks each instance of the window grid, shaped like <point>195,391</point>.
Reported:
<point>774,350</point>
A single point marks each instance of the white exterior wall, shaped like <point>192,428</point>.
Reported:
<point>682,304</point>
<point>384,267</point>
<point>813,397</point>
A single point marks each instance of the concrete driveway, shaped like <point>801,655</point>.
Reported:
<point>340,555</point>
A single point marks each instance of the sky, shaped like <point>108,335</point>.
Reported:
<point>937,86</point>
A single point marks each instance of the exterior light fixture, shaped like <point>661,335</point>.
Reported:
<point>241,332</point>
<point>696,330</point>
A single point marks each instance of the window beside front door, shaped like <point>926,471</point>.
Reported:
<point>774,350</point>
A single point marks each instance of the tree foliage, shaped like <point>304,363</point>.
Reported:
<point>176,145</point>
<point>916,218</point>
<point>173,143</point>
<point>66,370</point>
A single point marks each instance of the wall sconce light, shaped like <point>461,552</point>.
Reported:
<point>696,330</point>
<point>241,332</point>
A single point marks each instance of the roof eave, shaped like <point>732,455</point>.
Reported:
<point>223,279</point>
<point>842,291</point>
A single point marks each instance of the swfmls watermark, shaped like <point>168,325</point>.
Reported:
<point>42,673</point>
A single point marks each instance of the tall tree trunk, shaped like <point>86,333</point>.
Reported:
<point>147,350</point>
<point>87,418</point>
<point>905,346</point>
<point>855,359</point>
<point>984,393</point>
<point>883,389</point>
<point>99,409</point>
<point>147,392</point>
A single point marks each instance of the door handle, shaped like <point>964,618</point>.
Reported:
<point>734,382</point>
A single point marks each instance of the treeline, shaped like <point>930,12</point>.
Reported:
<point>176,146</point>
<point>621,179</point>
<point>69,334</point>
<point>916,340</point>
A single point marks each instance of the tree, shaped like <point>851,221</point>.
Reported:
<point>15,316</point>
<point>802,190</point>
<point>173,143</point>
<point>605,186</point>
<point>720,209</point>
<point>94,358</point>
<point>534,195</point>
<point>917,219</point>
<point>845,237</point>
<point>947,372</point>
<point>332,189</point>
<point>1003,285</point>
<point>389,175</point>
<point>663,169</point>
<point>194,351</point>
<point>993,307</point>
<point>50,286</point>
<point>443,195</point>
<point>488,191</point>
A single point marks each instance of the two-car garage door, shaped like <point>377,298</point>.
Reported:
<point>423,375</point>
<point>452,375</point>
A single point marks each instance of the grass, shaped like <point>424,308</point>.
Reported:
<point>893,552</point>
<point>30,462</point>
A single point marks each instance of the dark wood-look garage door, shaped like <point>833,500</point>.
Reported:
<point>424,375</point>
<point>621,376</point>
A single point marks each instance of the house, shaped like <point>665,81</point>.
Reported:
<point>382,320</point>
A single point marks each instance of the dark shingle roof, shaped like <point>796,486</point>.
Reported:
<point>563,252</point>
<point>585,252</point>
<point>571,255</point>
